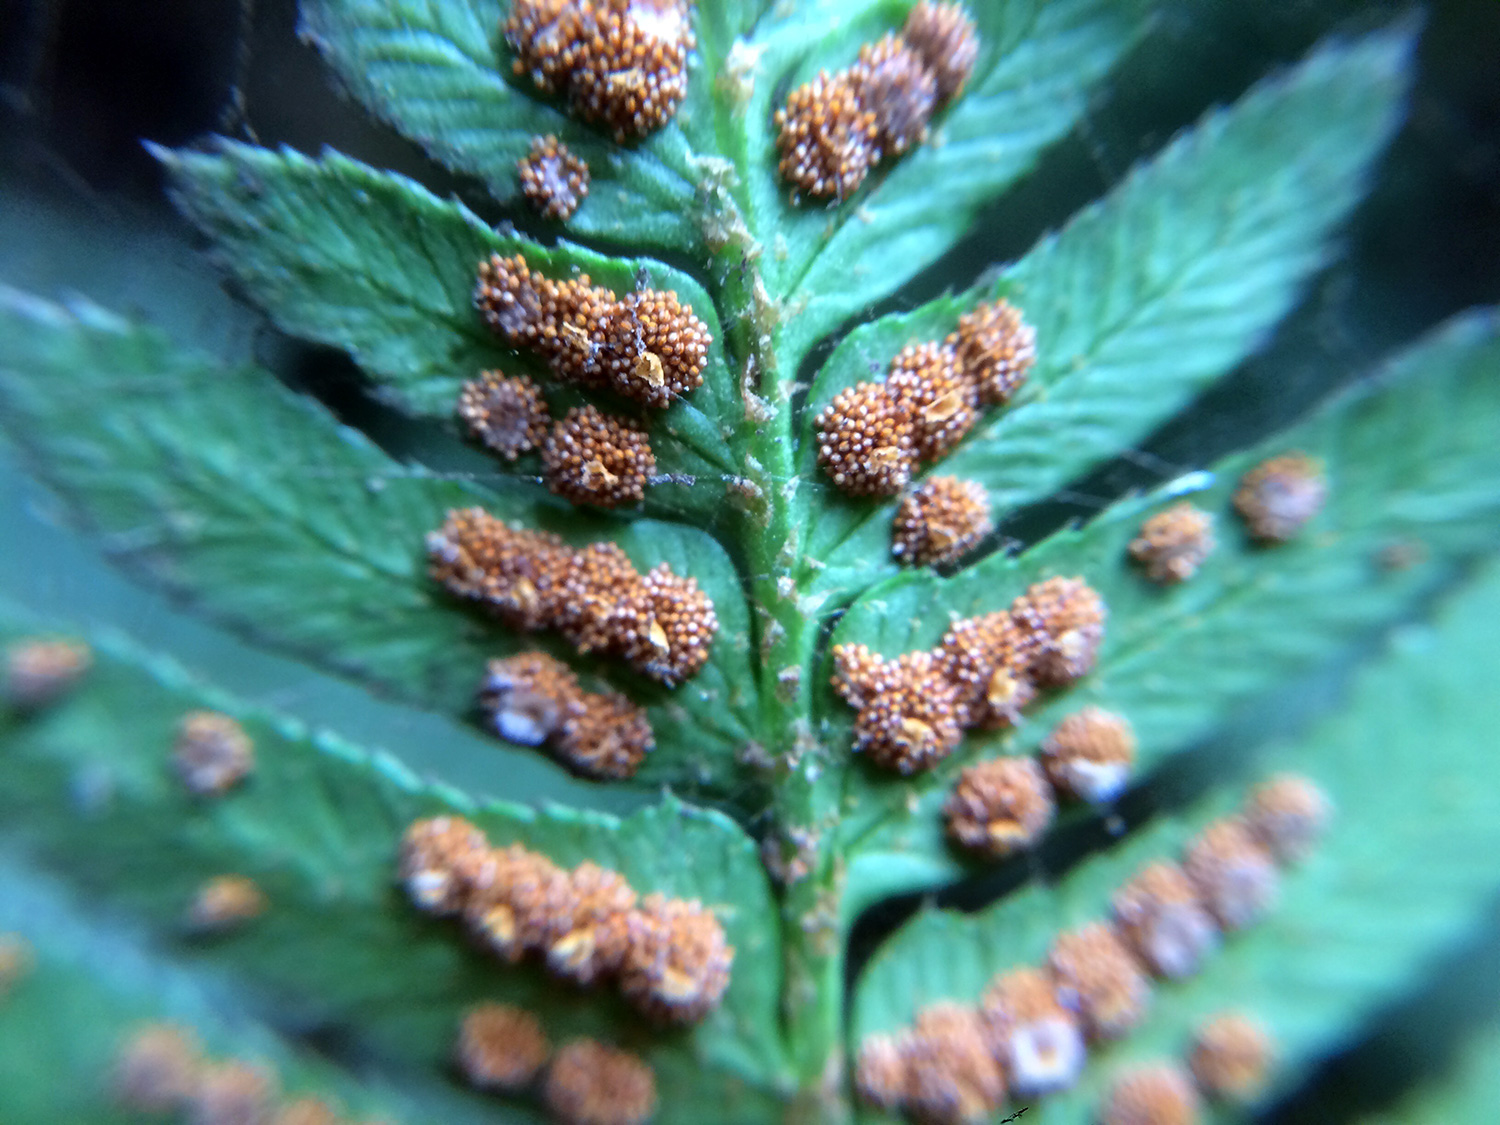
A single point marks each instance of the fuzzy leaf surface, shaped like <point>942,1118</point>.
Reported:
<point>1148,296</point>
<point>374,264</point>
<point>1403,874</point>
<point>317,826</point>
<point>251,499</point>
<point>1412,466</point>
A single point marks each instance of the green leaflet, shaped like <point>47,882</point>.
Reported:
<point>95,980</point>
<point>317,826</point>
<point>225,485</point>
<point>373,263</point>
<point>1412,463</point>
<point>1401,876</point>
<point>1152,293</point>
<point>1469,1093</point>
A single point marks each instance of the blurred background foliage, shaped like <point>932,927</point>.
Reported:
<point>82,209</point>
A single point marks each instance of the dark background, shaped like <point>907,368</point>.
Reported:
<point>82,82</point>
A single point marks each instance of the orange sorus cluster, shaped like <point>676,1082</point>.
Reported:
<point>501,1047</point>
<point>38,671</point>
<point>873,435</point>
<point>1173,544</point>
<point>1278,497</point>
<point>532,699</point>
<point>913,709</point>
<point>834,129</point>
<point>940,521</point>
<point>1030,1032</point>
<point>620,63</point>
<point>553,179</point>
<point>660,623</point>
<point>1006,804</point>
<point>646,345</point>
<point>669,955</point>
<point>224,904</point>
<point>161,1069</point>
<point>1227,1061</point>
<point>212,753</point>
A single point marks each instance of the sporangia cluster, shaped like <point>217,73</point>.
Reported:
<point>505,412</point>
<point>162,1069</point>
<point>1278,497</point>
<point>534,699</point>
<point>1032,1029</point>
<point>660,623</point>
<point>646,345</point>
<point>668,956</point>
<point>553,179</point>
<point>39,671</point>
<point>914,708</point>
<point>1173,544</point>
<point>940,521</point>
<point>621,64</point>
<point>836,128</point>
<point>212,753</point>
<point>873,436</point>
<point>503,1048</point>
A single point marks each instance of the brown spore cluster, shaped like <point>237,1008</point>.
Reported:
<point>1234,873</point>
<point>533,699</point>
<point>505,412</point>
<point>596,458</point>
<point>621,64</point>
<point>1173,544</point>
<point>1277,498</point>
<point>660,623</point>
<point>647,345</point>
<point>1153,1094</point>
<point>1033,1026</point>
<point>161,1069</point>
<point>940,521</point>
<point>1089,754</point>
<point>1288,815</point>
<point>873,436</point>
<point>500,1047</point>
<point>913,709</point>
<point>212,753</point>
<point>38,671</point>
<point>836,128</point>
<point>554,179</point>
<point>668,955</point>
<point>999,807</point>
<point>224,904</point>
<point>589,1083</point>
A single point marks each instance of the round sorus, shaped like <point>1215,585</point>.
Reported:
<point>1038,1042</point>
<point>1233,872</point>
<point>600,928</point>
<point>1066,617</point>
<point>667,626</point>
<point>526,698</point>
<point>1160,1094</point>
<point>1088,755</point>
<point>595,458</point>
<point>591,1084</point>
<point>940,521</point>
<point>39,671</point>
<point>1230,1055</point>
<point>523,576</point>
<point>1278,497</point>
<point>1173,544</point>
<point>434,853</point>
<point>606,736</point>
<point>999,807</point>
<point>156,1069</point>
<point>307,1111</point>
<point>1159,915</point>
<point>212,753</point>
<point>225,904</point>
<point>231,1093</point>
<point>857,672</point>
<point>951,1074</point>
<point>988,660</point>
<point>1288,815</point>
<point>946,39</point>
<point>895,84</point>
<point>520,901</point>
<point>1097,977</point>
<point>995,350</point>
<point>500,1047</point>
<point>827,138</point>
<point>677,966</point>
<point>880,1074</point>
<point>866,441</point>
<point>506,413</point>
<point>553,179</point>
<point>911,718</point>
<point>653,347</point>
<point>926,381</point>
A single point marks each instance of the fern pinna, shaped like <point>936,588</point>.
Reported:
<point>715,529</point>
